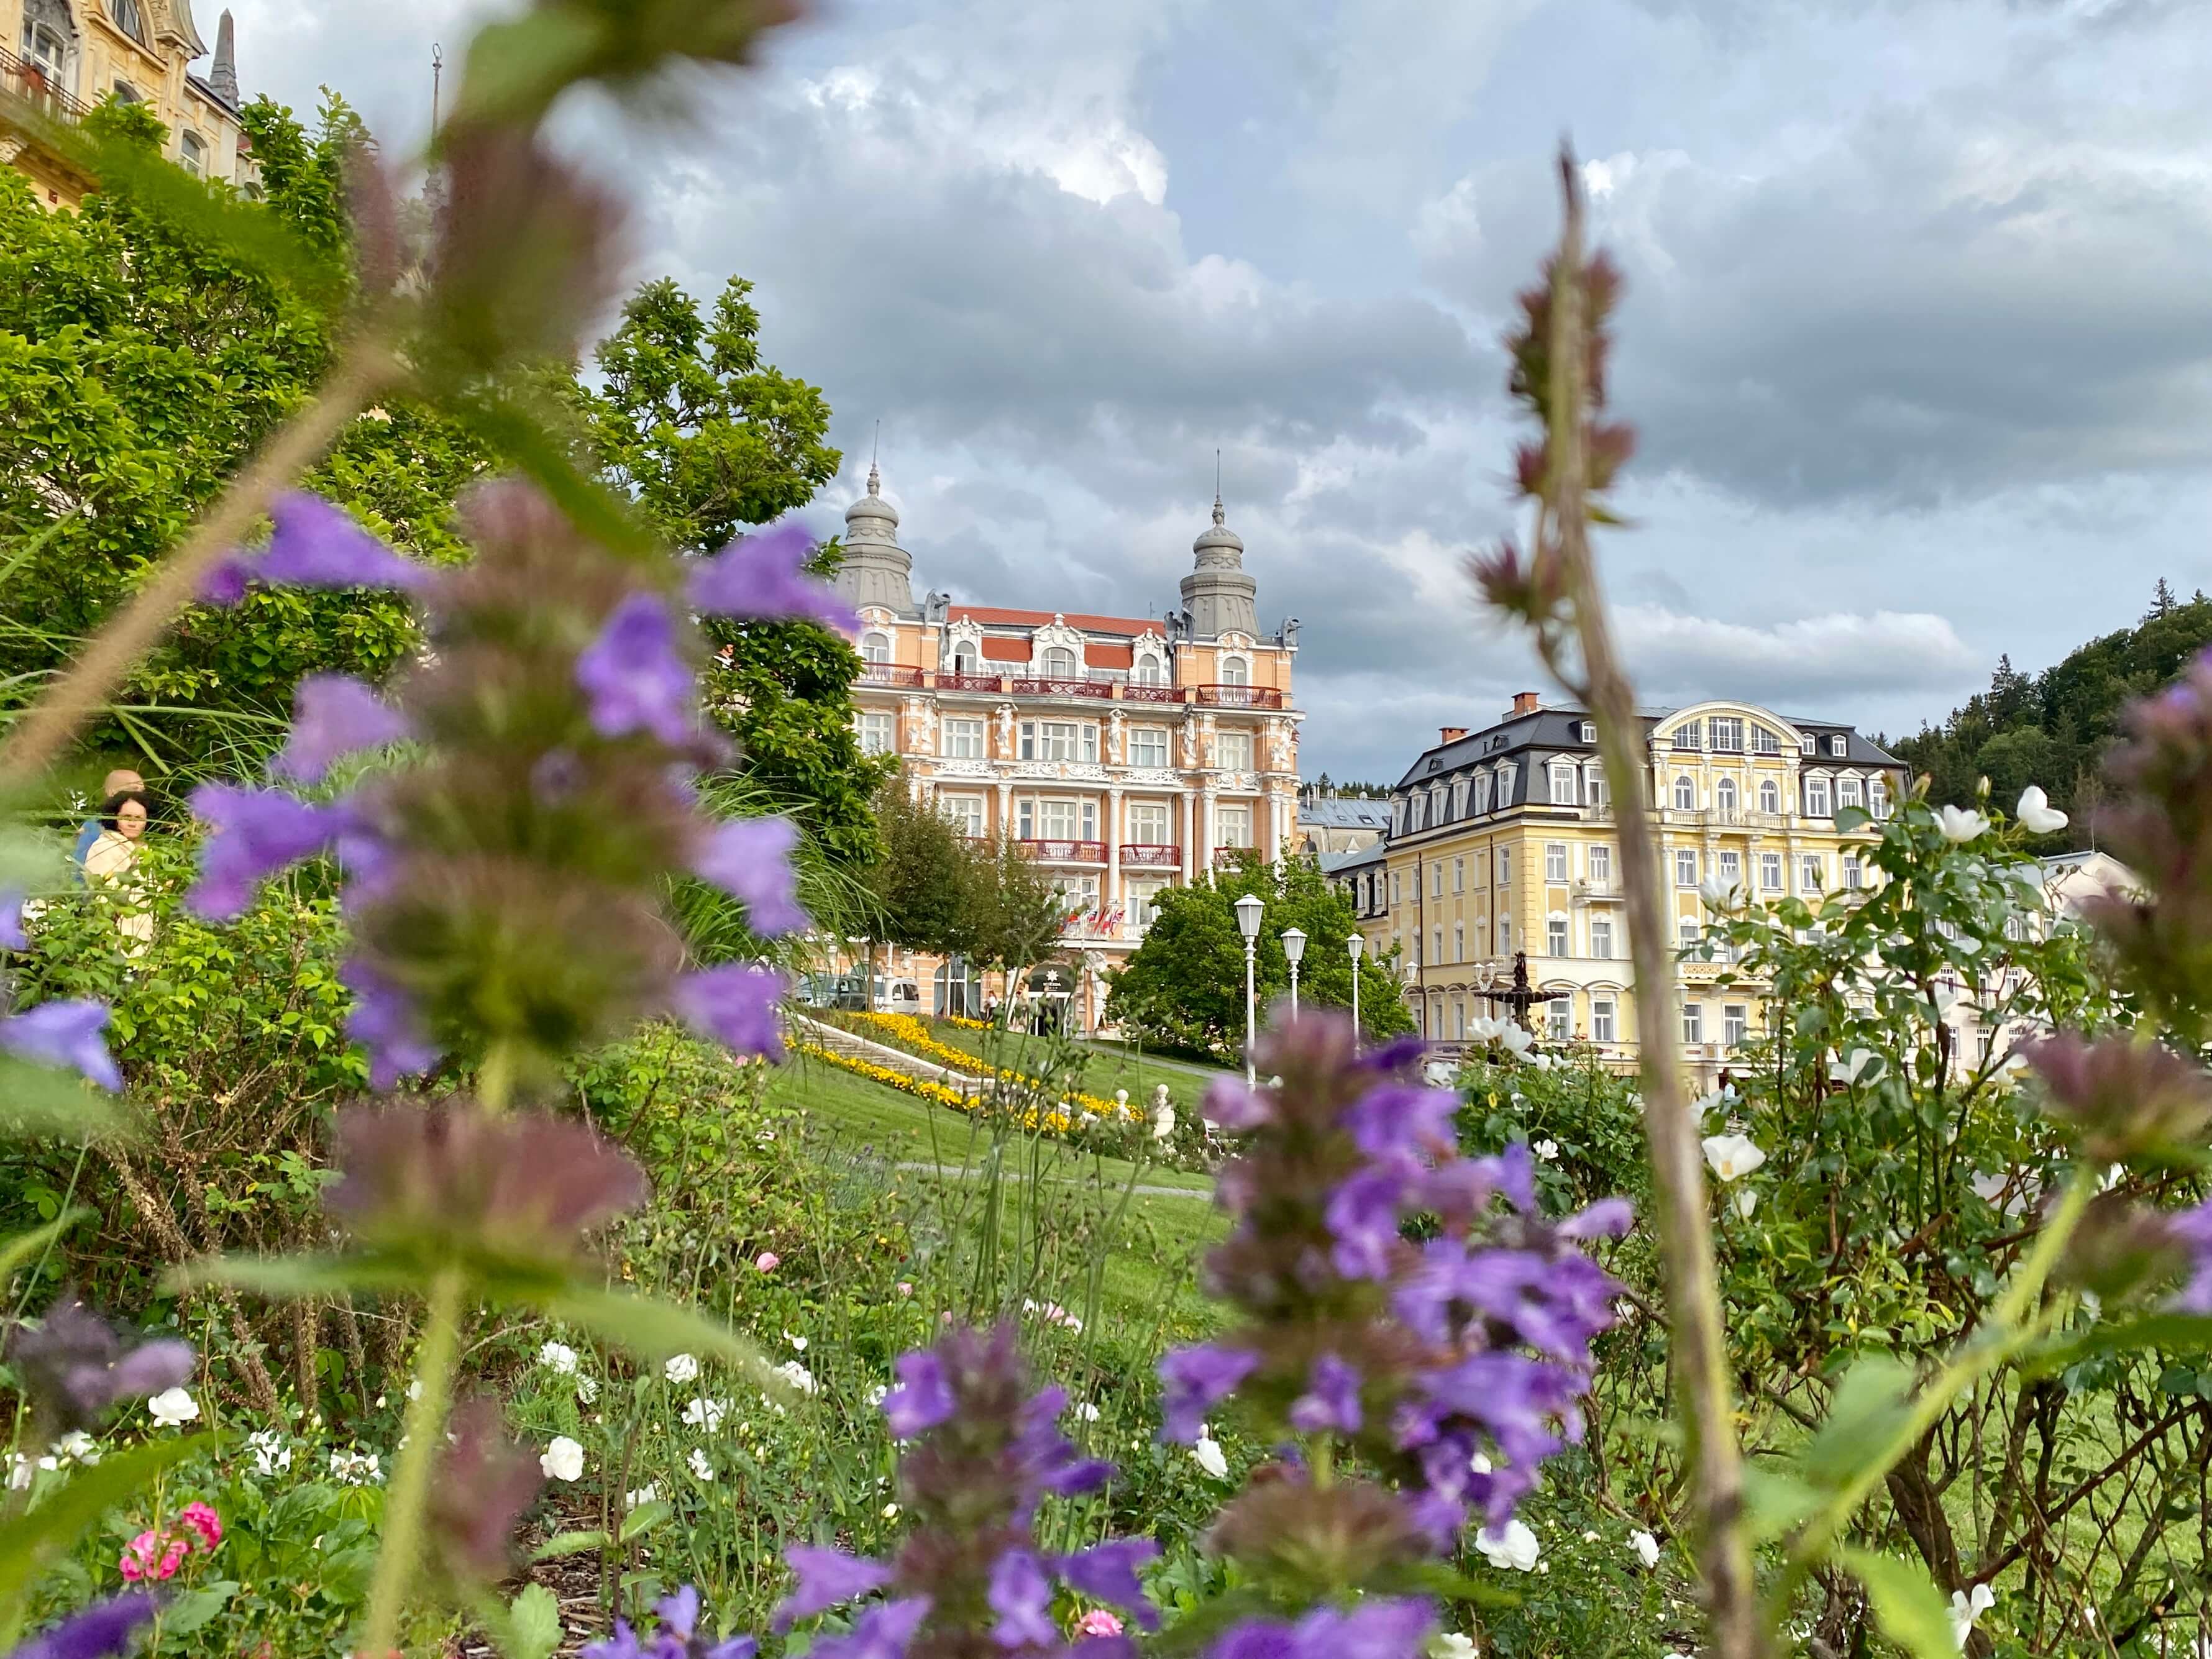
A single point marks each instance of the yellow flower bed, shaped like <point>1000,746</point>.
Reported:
<point>924,1088</point>
<point>913,1035</point>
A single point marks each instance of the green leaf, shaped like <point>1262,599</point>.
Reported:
<point>34,1541</point>
<point>302,1275</point>
<point>569,1543</point>
<point>516,68</point>
<point>18,1250</point>
<point>533,1623</point>
<point>188,1611</point>
<point>1775,1503</point>
<point>1870,1402</point>
<point>645,1517</point>
<point>653,1329</point>
<point>1912,1611</point>
<point>39,1100</point>
<point>2174,1333</point>
<point>1435,1578</point>
<point>522,437</point>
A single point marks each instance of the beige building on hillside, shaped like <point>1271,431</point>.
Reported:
<point>58,58</point>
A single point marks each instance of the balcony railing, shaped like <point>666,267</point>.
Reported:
<point>886,673</point>
<point>1134,692</point>
<point>1240,697</point>
<point>1057,688</point>
<point>1225,856</point>
<point>1065,852</point>
<point>1151,855</point>
<point>968,682</point>
<point>36,86</point>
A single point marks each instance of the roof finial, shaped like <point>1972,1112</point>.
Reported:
<point>876,478</point>
<point>1219,516</point>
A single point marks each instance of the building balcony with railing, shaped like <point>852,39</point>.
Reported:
<point>1145,855</point>
<point>1064,852</point>
<point>40,92</point>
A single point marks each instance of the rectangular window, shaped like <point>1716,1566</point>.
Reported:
<point>876,731</point>
<point>1735,1023</point>
<point>1439,935</point>
<point>1847,793</point>
<point>1809,879</point>
<point>1816,797</point>
<point>1232,826</point>
<point>1770,871</point>
<point>1851,875</point>
<point>1555,936</point>
<point>1563,785</point>
<point>1397,887</point>
<point>1504,866</point>
<point>1730,873</point>
<point>1600,865</point>
<point>1459,941</point>
<point>1148,745</point>
<point>1691,932</point>
<point>1601,1020</point>
<point>1690,734</point>
<point>1459,875</point>
<point>1056,820</point>
<point>1555,861</point>
<point>1459,1017</point>
<point>1233,750</point>
<point>963,741</point>
<point>1602,937</point>
<point>1144,901</point>
<point>1437,879</point>
<point>965,813</point>
<point>1421,808</point>
<point>1559,1018</point>
<point>1727,734</point>
<point>1057,740</point>
<point>1877,798</point>
<point>1693,1022</point>
<point>1148,823</point>
<point>1505,936</point>
<point>1686,867</point>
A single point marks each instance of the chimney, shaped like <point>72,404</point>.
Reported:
<point>1526,702</point>
<point>1449,734</point>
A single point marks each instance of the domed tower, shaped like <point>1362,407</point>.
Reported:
<point>1216,595</point>
<point>876,570</point>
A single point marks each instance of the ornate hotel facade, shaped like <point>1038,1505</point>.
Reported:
<point>58,58</point>
<point>1503,841</point>
<point>1124,753</point>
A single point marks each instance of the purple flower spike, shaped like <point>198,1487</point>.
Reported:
<point>680,1612</point>
<point>224,584</point>
<point>1376,1629</point>
<point>12,936</point>
<point>923,1398</point>
<point>103,1628</point>
<point>1021,1595</point>
<point>319,545</point>
<point>1397,1118</point>
<point>881,1632</point>
<point>385,1021</point>
<point>77,1367</point>
<point>1363,1218</point>
<point>1331,1400</point>
<point>2192,1231</point>
<point>1609,1217</point>
<point>827,1578</point>
<point>255,833</point>
<point>735,1006</point>
<point>634,678</point>
<point>1257,1638</point>
<point>749,859</point>
<point>333,716</point>
<point>1197,1379</point>
<point>1233,1106</point>
<point>65,1033</point>
<point>1107,1572</point>
<point>760,578</point>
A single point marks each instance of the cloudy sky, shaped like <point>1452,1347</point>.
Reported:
<point>1918,338</point>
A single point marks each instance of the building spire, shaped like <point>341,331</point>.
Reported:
<point>223,77</point>
<point>876,478</point>
<point>1218,517</point>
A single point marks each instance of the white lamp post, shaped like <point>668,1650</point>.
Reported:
<point>1294,946</point>
<point>1355,944</point>
<point>1247,923</point>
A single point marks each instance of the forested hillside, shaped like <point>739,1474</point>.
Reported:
<point>2051,728</point>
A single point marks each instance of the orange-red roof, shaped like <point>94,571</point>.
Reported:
<point>996,616</point>
<point>1098,655</point>
<point>1006,650</point>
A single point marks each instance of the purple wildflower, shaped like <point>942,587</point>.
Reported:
<point>12,936</point>
<point>66,1033</point>
<point>1331,1400</point>
<point>922,1399</point>
<point>1609,1217</point>
<point>1378,1629</point>
<point>485,1481</point>
<point>677,1637</point>
<point>735,1006</point>
<point>1397,1118</point>
<point>827,1578</point>
<point>749,859</point>
<point>762,578</point>
<point>2192,1231</point>
<point>385,1021</point>
<point>103,1628</point>
<point>881,1632</point>
<point>1021,1595</point>
<point>223,583</point>
<point>1258,1638</point>
<point>333,716</point>
<point>78,1366</point>
<point>1363,1220</point>
<point>1228,1102</point>
<point>1107,1572</point>
<point>634,678</point>
<point>252,834</point>
<point>1196,1380</point>
<point>319,545</point>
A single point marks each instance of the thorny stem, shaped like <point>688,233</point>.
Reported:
<point>410,1492</point>
<point>1699,1350</point>
<point>40,736</point>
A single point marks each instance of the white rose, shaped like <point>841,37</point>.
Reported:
<point>1959,825</point>
<point>1516,1547</point>
<point>1732,1156</point>
<point>1210,1458</point>
<point>1450,1645</point>
<point>172,1408</point>
<point>1646,1548</point>
<point>1965,1608</point>
<point>1546,1149</point>
<point>562,1461</point>
<point>2036,813</point>
<point>558,1357</point>
<point>704,1413</point>
<point>681,1368</point>
<point>1746,1202</point>
<point>797,1376</point>
<point>78,1447</point>
<point>646,1494</point>
<point>1854,1065</point>
<point>700,1466</point>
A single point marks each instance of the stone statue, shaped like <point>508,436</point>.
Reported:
<point>938,607</point>
<point>1164,1116</point>
<point>1190,744</point>
<point>1005,731</point>
<point>1290,633</point>
<point>1113,751</point>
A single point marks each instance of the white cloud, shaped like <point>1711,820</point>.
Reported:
<point>1683,658</point>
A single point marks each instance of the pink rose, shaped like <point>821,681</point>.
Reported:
<point>767,1262</point>
<point>151,1556</point>
<point>905,1289</point>
<point>203,1520</point>
<point>1098,1622</point>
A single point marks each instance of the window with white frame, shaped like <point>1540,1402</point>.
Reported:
<point>964,741</point>
<point>1555,936</point>
<point>1764,742</point>
<point>1694,1022</point>
<point>1233,750</point>
<point>1055,818</point>
<point>1604,1021</point>
<point>1235,670</point>
<point>1596,790</point>
<point>1686,867</point>
<point>1147,671</point>
<point>1058,740</point>
<point>1459,1017</point>
<point>1808,745</point>
<point>1735,1022</point>
<point>1481,792</point>
<point>1586,731</point>
<point>1878,798</point>
<point>1058,663</point>
<point>1505,936</point>
<point>1232,825</point>
<point>1686,794</point>
<point>1847,792</point>
<point>1853,878</point>
<point>1600,863</point>
<point>1555,861</point>
<point>1810,877</point>
<point>1438,934</point>
<point>1728,867</point>
<point>1437,805</point>
<point>1437,879</point>
<point>1559,1018</point>
<point>1459,941</point>
<point>1459,798</point>
<point>1397,818</point>
<point>1148,746</point>
<point>1420,811</point>
<point>1397,887</point>
<point>1724,797</point>
<point>1142,899</point>
<point>1459,875</point>
<point>1770,871</point>
<point>1504,866</point>
<point>1724,734</point>
<point>875,648</point>
<point>1816,796</point>
<point>1563,783</point>
<point>1505,775</point>
<point>1148,823</point>
<point>1769,796</point>
<point>191,154</point>
<point>1690,931</point>
<point>964,660</point>
<point>1602,937</point>
<point>1690,734</point>
<point>878,731</point>
<point>965,813</point>
<point>1837,746</point>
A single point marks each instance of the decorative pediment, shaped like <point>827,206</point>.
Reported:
<point>1235,639</point>
<point>877,616</point>
<point>1056,633</point>
<point>966,632</point>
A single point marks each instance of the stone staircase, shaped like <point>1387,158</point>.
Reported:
<point>839,1040</point>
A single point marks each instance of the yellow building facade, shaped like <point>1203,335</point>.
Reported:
<point>1504,843</point>
<point>58,58</point>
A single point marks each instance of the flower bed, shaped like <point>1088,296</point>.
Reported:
<point>906,1032</point>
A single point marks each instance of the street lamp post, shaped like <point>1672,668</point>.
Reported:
<point>1294,947</point>
<point>1247,923</point>
<point>1355,944</point>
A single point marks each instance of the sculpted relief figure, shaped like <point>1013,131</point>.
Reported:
<point>1005,731</point>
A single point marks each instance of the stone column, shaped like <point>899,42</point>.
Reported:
<point>1006,824</point>
<point>1186,803</point>
<point>1113,847</point>
<point>1206,829</point>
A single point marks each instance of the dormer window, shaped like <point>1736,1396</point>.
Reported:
<point>1481,792</point>
<point>1837,746</point>
<point>1816,797</point>
<point>1810,745</point>
<point>964,660</point>
<point>1563,783</point>
<point>1147,671</point>
<point>1586,731</point>
<point>1059,663</point>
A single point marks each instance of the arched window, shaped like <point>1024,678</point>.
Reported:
<point>127,93</point>
<point>1724,796</point>
<point>875,648</point>
<point>1059,663</point>
<point>1769,796</point>
<point>1686,795</point>
<point>125,15</point>
<point>1235,670</point>
<point>1147,671</point>
<point>191,154</point>
<point>47,33</point>
<point>965,659</point>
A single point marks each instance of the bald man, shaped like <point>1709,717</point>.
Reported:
<point>115,783</point>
